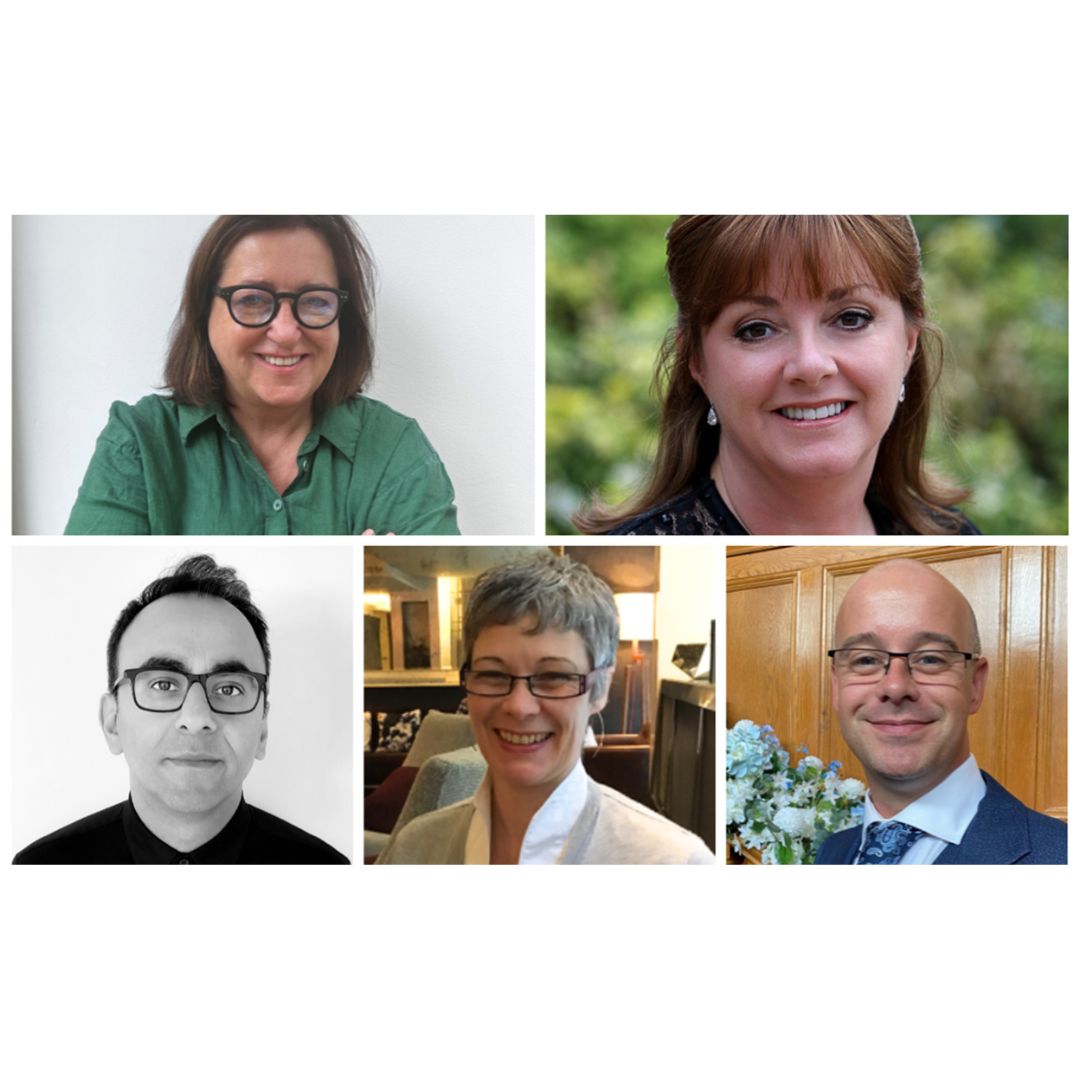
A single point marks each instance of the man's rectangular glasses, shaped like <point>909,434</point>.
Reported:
<point>230,692</point>
<point>545,684</point>
<point>252,307</point>
<point>924,665</point>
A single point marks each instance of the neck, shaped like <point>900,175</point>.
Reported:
<point>259,422</point>
<point>890,795</point>
<point>889,802</point>
<point>274,436</point>
<point>512,809</point>
<point>183,831</point>
<point>768,504</point>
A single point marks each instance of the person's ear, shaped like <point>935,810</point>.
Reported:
<point>978,683</point>
<point>601,688</point>
<point>107,717</point>
<point>264,731</point>
<point>912,345</point>
<point>694,366</point>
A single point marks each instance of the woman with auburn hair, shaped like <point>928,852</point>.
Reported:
<point>799,379</point>
<point>265,429</point>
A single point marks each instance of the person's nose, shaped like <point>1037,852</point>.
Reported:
<point>520,701</point>
<point>195,715</point>
<point>896,683</point>
<point>809,360</point>
<point>284,328</point>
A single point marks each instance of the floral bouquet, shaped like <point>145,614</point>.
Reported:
<point>784,811</point>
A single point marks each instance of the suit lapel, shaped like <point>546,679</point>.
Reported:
<point>997,834</point>
<point>841,847</point>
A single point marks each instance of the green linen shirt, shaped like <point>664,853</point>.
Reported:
<point>169,469</point>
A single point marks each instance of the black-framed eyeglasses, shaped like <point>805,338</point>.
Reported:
<point>315,308</point>
<point>162,690</point>
<point>924,665</point>
<point>544,684</point>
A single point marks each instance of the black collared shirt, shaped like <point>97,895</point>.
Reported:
<point>118,835</point>
<point>226,847</point>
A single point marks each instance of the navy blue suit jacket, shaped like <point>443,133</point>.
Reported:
<point>1003,830</point>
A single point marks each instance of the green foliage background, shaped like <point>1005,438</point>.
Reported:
<point>997,287</point>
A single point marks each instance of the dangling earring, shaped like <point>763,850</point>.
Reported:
<point>710,417</point>
<point>903,391</point>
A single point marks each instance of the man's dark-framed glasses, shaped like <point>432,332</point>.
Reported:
<point>315,308</point>
<point>924,665</point>
<point>161,690</point>
<point>545,684</point>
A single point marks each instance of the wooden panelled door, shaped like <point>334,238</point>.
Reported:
<point>781,608</point>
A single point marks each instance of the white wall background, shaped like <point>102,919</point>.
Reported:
<point>94,298</point>
<point>65,601</point>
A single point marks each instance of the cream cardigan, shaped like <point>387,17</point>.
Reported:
<point>611,829</point>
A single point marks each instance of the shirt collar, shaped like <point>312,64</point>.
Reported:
<point>226,847</point>
<point>335,426</point>
<point>546,835</point>
<point>944,811</point>
<point>192,416</point>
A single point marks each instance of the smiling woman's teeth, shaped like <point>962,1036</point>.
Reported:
<point>815,414</point>
<point>522,740</point>
<point>283,361</point>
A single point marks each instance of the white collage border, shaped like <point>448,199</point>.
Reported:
<point>565,108</point>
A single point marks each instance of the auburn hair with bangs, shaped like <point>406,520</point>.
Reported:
<point>193,373</point>
<point>713,260</point>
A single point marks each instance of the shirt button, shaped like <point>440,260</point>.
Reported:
<point>183,862</point>
<point>278,504</point>
<point>303,465</point>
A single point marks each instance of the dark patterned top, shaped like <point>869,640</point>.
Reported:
<point>702,512</point>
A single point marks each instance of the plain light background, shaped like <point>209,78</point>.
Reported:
<point>66,600</point>
<point>94,299</point>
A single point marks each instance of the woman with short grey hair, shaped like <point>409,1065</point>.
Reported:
<point>540,642</point>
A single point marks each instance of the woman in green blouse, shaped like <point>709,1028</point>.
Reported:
<point>265,430</point>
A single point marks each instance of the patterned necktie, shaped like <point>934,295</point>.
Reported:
<point>887,842</point>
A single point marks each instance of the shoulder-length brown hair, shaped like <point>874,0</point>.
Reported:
<point>192,372</point>
<point>712,260</point>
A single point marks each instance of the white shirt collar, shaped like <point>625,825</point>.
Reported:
<point>944,811</point>
<point>546,835</point>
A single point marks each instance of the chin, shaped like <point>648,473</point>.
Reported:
<point>826,465</point>
<point>900,767</point>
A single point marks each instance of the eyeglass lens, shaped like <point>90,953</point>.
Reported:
<point>925,665</point>
<point>550,684</point>
<point>166,691</point>
<point>313,308</point>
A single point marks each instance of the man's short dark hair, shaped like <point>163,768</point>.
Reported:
<point>202,576</point>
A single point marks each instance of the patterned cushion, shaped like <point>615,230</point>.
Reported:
<point>397,730</point>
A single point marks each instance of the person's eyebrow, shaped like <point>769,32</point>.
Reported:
<point>830,297</point>
<point>924,637</point>
<point>166,663</point>
<point>542,660</point>
<point>232,665</point>
<point>846,290</point>
<point>942,639</point>
<point>757,301</point>
<point>269,286</point>
<point>170,663</point>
